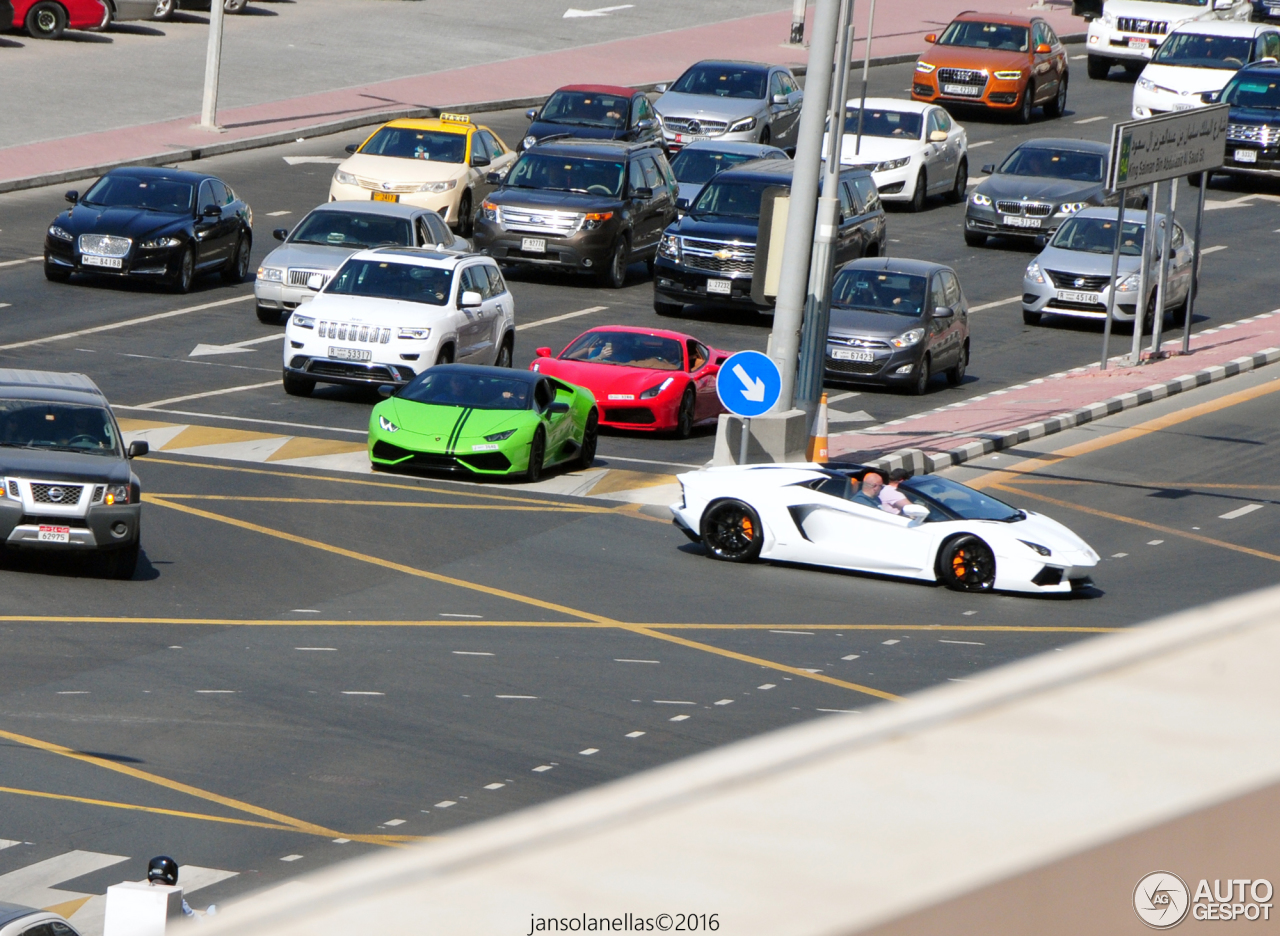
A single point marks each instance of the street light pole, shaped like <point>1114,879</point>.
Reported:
<point>797,22</point>
<point>212,64</point>
<point>866,67</point>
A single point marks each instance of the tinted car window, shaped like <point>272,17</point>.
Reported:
<point>939,292</point>
<point>62,427</point>
<point>870,195</point>
<point>964,502</point>
<point>630,349</point>
<point>342,229</point>
<point>381,279</point>
<point>479,147</point>
<point>1098,235</point>
<point>698,166</point>
<point>1055,164</point>
<point>446,387</point>
<point>1253,91</point>
<point>568,174</point>
<point>652,177</point>
<point>788,85</point>
<point>491,141</point>
<point>1271,47</point>
<point>467,282</point>
<point>219,192</point>
<point>731,198</point>
<point>848,206</point>
<point>880,291</point>
<point>636,174</point>
<point>496,282</point>
<point>985,36</point>
<point>898,125</point>
<point>775,84</point>
<point>586,109</point>
<point>122,191</point>
<point>1194,50</point>
<point>732,81</point>
<point>406,143</point>
<point>952,287</point>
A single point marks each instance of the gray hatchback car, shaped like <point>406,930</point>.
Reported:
<point>897,323</point>
<point>742,101</point>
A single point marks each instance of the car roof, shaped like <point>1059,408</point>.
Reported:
<point>389,209</point>
<point>483,370</point>
<point>10,912</point>
<point>1223,28</point>
<point>1131,215</point>
<point>160,172</point>
<point>1079,146</point>
<point>433,123</point>
<point>620,90</point>
<point>731,146</point>
<point>884,103</point>
<point>733,63</point>
<point>414,256</point>
<point>897,265</point>
<point>780,170</point>
<point>605,148</point>
<point>51,386</point>
<point>1007,19</point>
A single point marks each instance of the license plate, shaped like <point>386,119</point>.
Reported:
<point>1182,107</point>
<point>848,354</point>
<point>350,354</point>
<point>112,263</point>
<point>1019,221</point>
<point>1249,156</point>
<point>719,287</point>
<point>533,245</point>
<point>1068,295</point>
<point>54,534</point>
<point>386,196</point>
<point>1139,45</point>
<point>485,447</point>
<point>962,90</point>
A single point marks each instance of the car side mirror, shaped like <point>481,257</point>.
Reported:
<point>1043,49</point>
<point>781,99</point>
<point>352,148</point>
<point>711,369</point>
<point>682,203</point>
<point>542,352</point>
<point>72,196</point>
<point>315,282</point>
<point>647,123</point>
<point>211,211</point>
<point>915,512</point>
<point>943,312</point>
<point>642,191</point>
<point>1210,97</point>
<point>937,136</point>
<point>988,168</point>
<point>661,88</point>
<point>386,390</point>
<point>494,178</point>
<point>470,299</point>
<point>280,233</point>
<point>479,162</point>
<point>931,38</point>
<point>531,113</point>
<point>138,449</point>
<point>557,409</point>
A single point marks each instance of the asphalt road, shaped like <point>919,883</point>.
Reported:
<point>309,665</point>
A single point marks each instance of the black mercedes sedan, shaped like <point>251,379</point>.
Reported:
<point>162,225</point>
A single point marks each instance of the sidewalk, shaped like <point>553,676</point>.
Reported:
<point>639,61</point>
<point>960,432</point>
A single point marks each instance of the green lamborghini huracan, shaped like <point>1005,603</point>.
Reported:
<point>484,421</point>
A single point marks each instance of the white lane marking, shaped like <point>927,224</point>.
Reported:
<point>852,656</point>
<point>175,647</point>
<point>971,613</point>
<point>1118,555</point>
<point>806,669</point>
<point>617,660</point>
<point>645,461</point>
<point>802,633</point>
<point>843,711</point>
<point>542,769</point>
<point>358,692</point>
<point>125,324</point>
<point>967,643</point>
<point>1239,512</point>
<point>290,857</point>
<point>334,649</point>
<point>515,697</point>
<point>445,804</point>
<point>215,692</point>
<point>635,734</point>
<point>33,884</point>
<point>1092,119</point>
<point>768,685</point>
<point>9,263</point>
<point>305,161</point>
<point>573,13</point>
<point>725,702</point>
<point>999,302</point>
<point>843,396</point>
<point>981,143</point>
<point>1076,58</point>
<point>394,822</point>
<point>340,841</point>
<point>678,718</point>
<point>1154,542</point>
<point>472,653</point>
<point>474,617</point>
<point>204,350</point>
<point>303,611</point>
<point>671,702</point>
<point>890,643</point>
<point>494,786</point>
<point>260,422</point>
<point>560,318</point>
<point>278,214</point>
<point>589,751</point>
<point>207,393</point>
<point>1213,249</point>
<point>5,305</point>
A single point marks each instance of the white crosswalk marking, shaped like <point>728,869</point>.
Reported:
<point>33,885</point>
<point>7,843</point>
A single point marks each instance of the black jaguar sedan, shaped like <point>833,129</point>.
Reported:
<point>162,225</point>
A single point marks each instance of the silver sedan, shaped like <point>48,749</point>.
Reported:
<point>741,101</point>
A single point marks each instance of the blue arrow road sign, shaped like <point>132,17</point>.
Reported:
<point>748,384</point>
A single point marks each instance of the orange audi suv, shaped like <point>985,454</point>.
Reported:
<point>1004,63</point>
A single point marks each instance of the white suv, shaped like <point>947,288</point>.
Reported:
<point>390,313</point>
<point>1198,58</point>
<point>1129,31</point>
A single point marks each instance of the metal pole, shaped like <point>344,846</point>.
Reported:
<point>1140,309</point>
<point>817,314</point>
<point>1115,272</point>
<point>797,22</point>
<point>1195,269</point>
<point>784,343</point>
<point>746,436</point>
<point>1166,251</point>
<point>212,64</point>
<point>866,67</point>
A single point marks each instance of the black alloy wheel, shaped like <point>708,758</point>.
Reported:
<point>234,6</point>
<point>1098,67</point>
<point>186,274</point>
<point>921,192</point>
<point>765,136</point>
<point>1149,317</point>
<point>46,20</point>
<point>1024,112</point>
<point>1030,318</point>
<point>684,416</point>
<point>537,454</point>
<point>121,563</point>
<point>56,274</point>
<point>966,563</point>
<point>955,373</point>
<point>731,531</point>
<point>975,238</point>
<point>504,352</point>
<point>268,316</point>
<point>667,308</point>
<point>446,355</point>
<point>164,10</point>
<point>961,189</point>
<point>298,386</point>
<point>590,439</point>
<point>237,268</point>
<point>466,221</point>
<point>615,275</point>
<point>920,386</point>
<point>1058,106</point>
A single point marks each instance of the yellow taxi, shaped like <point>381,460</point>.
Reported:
<point>442,163</point>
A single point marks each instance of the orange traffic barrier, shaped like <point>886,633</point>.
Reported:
<point>817,451</point>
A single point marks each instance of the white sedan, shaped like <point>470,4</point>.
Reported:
<point>948,533</point>
<point>912,149</point>
<point>390,313</point>
<point>1197,58</point>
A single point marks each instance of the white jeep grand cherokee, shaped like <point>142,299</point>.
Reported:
<point>1129,31</point>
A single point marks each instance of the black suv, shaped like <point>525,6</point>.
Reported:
<point>1253,123</point>
<point>586,205</point>
<point>65,471</point>
<point>708,256</point>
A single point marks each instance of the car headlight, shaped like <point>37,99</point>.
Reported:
<point>116,494</point>
<point>743,125</point>
<point>1042,550</point>
<point>271,274</point>
<point>302,321</point>
<point>490,211</point>
<point>1146,84</point>
<point>980,200</point>
<point>1008,75</point>
<point>499,436</point>
<point>892,164</point>
<point>1072,207</point>
<point>908,338</point>
<point>654,391</point>
<point>344,178</point>
<point>416,334</point>
<point>1108,18</point>
<point>594,219</point>
<point>60,233</point>
<point>924,68</point>
<point>529,142</point>
<point>387,425</point>
<point>156,243</point>
<point>437,188</point>
<point>1129,283</point>
<point>1033,273</point>
<point>669,247</point>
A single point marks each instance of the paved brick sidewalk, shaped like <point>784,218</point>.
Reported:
<point>962,431</point>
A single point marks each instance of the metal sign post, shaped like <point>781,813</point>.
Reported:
<point>866,67</point>
<point>1111,294</point>
<point>1195,269</point>
<point>1166,252</point>
<point>1144,275</point>
<point>212,65</point>
<point>797,22</point>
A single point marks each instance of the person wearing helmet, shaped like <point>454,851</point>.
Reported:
<point>164,870</point>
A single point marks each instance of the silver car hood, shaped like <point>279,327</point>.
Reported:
<point>310,256</point>
<point>673,104</point>
<point>1084,263</point>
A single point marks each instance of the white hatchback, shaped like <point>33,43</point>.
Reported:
<point>1197,58</point>
<point>390,313</point>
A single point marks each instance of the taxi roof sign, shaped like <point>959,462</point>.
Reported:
<point>455,118</point>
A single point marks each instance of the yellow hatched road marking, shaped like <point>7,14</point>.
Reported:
<point>559,508</point>
<point>150,809</point>
<point>309,447</point>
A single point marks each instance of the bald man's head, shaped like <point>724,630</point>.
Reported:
<point>872,483</point>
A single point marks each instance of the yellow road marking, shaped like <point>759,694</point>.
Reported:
<point>151,809</point>
<point>65,910</point>
<point>557,508</point>
<point>619,479</point>
<point>310,447</point>
<point>197,436</point>
<point>1153,485</point>
<point>1120,518</point>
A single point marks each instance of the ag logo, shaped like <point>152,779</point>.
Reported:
<point>1161,900</point>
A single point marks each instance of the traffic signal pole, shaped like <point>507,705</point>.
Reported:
<point>212,65</point>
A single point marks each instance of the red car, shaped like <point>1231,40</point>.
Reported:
<point>642,378</point>
<point>46,19</point>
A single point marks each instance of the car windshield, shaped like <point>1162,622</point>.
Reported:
<point>568,174</point>
<point>1098,235</point>
<point>1252,91</point>
<point>407,143</point>
<point>699,166</point>
<point>381,279</point>
<point>582,109</point>
<point>879,291</point>
<point>735,199</point>
<point>963,502</point>
<point>63,427</point>
<point>447,387</point>
<point>1194,50</point>
<point>351,229</point>
<point>972,35</point>
<point>898,125</point>
<point>123,191</point>
<point>629,349</point>
<point>728,81</point>
<point>1055,164</point>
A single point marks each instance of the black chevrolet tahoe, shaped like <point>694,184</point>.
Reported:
<point>708,256</point>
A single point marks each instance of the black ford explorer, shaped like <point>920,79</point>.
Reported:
<point>1253,123</point>
<point>708,256</point>
<point>65,472</point>
<point>585,205</point>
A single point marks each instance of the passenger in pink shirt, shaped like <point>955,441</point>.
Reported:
<point>891,499</point>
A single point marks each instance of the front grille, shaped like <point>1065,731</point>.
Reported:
<point>361,334</point>
<point>1261,134</point>
<point>860,368</point>
<point>486,461</point>
<point>98,493</point>
<point>712,256</point>
<point>104,245</point>
<point>401,187</point>
<point>13,490</point>
<point>1143,27</point>
<point>695,125</point>
<point>963,76</point>
<point>1095,307</point>
<point>1076,281</point>
<point>374,373</point>
<point>537,221</point>
<point>300,277</point>
<point>405,458</point>
<point>1030,209</point>
<point>857,342</point>
<point>63,494</point>
<point>635,415</point>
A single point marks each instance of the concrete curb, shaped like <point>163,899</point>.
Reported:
<point>918,461</point>
<point>340,126</point>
